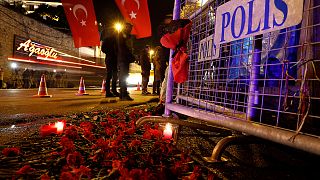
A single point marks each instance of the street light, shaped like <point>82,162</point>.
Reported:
<point>151,52</point>
<point>118,26</point>
<point>14,65</point>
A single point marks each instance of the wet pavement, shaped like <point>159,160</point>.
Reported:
<point>19,104</point>
<point>22,114</point>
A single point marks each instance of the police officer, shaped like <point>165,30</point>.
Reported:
<point>109,48</point>
<point>124,57</point>
<point>145,68</point>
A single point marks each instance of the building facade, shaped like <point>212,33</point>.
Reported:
<point>26,44</point>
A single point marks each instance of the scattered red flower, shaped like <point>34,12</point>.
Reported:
<point>67,176</point>
<point>135,143</point>
<point>25,170</point>
<point>74,159</point>
<point>196,173</point>
<point>10,152</point>
<point>116,164</point>
<point>45,177</point>
<point>72,132</point>
<point>86,126</point>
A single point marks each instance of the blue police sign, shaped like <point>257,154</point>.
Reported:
<point>238,19</point>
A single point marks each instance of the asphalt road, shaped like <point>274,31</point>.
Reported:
<point>19,103</point>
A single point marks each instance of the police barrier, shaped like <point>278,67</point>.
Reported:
<point>254,65</point>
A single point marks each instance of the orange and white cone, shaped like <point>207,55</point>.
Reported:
<point>82,89</point>
<point>103,86</point>
<point>42,92</point>
<point>138,87</point>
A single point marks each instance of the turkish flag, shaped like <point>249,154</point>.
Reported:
<point>82,22</point>
<point>136,12</point>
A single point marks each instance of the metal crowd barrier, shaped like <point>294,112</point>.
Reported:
<point>264,85</point>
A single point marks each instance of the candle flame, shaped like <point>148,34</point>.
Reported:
<point>167,132</point>
<point>168,127</point>
<point>59,126</point>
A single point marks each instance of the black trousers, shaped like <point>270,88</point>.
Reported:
<point>156,87</point>
<point>112,73</point>
<point>145,79</point>
<point>123,75</point>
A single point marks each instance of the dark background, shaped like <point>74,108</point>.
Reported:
<point>107,13</point>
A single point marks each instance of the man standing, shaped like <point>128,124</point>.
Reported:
<point>109,48</point>
<point>125,57</point>
<point>158,66</point>
<point>1,77</point>
<point>145,64</point>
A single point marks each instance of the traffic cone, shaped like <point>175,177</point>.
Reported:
<point>138,87</point>
<point>42,92</point>
<point>103,86</point>
<point>82,89</point>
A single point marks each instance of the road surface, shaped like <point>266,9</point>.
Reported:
<point>19,103</point>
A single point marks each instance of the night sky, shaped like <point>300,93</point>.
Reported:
<point>107,13</point>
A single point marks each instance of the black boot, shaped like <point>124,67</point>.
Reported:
<point>124,96</point>
<point>109,94</point>
<point>115,92</point>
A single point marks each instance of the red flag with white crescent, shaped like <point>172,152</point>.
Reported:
<point>136,12</point>
<point>82,22</point>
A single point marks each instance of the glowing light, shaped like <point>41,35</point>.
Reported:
<point>134,78</point>
<point>54,70</point>
<point>14,65</point>
<point>118,26</point>
<point>167,132</point>
<point>202,2</point>
<point>43,2</point>
<point>151,52</point>
<point>69,62</point>
<point>59,126</point>
<point>13,126</point>
<point>65,69</point>
<point>68,55</point>
<point>37,62</point>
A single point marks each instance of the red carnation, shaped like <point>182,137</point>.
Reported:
<point>89,135</point>
<point>9,152</point>
<point>147,135</point>
<point>67,145</point>
<point>135,143</point>
<point>103,124</point>
<point>111,155</point>
<point>82,171</point>
<point>86,126</point>
<point>196,173</point>
<point>110,131</point>
<point>67,176</point>
<point>72,132</point>
<point>122,125</point>
<point>45,177</point>
<point>156,133</point>
<point>131,131</point>
<point>116,164</point>
<point>101,143</point>
<point>25,170</point>
<point>74,159</point>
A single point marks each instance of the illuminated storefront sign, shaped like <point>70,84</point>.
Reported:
<point>33,48</point>
<point>27,48</point>
<point>29,51</point>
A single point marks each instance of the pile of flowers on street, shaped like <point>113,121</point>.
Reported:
<point>99,145</point>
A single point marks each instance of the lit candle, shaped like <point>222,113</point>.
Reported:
<point>59,125</point>
<point>46,130</point>
<point>167,133</point>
